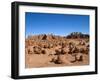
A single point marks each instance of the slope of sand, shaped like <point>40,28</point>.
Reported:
<point>50,51</point>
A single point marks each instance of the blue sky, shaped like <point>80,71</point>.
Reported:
<point>58,24</point>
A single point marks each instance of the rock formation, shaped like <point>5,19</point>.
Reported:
<point>51,50</point>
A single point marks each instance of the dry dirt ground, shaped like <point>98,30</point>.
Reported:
<point>51,51</point>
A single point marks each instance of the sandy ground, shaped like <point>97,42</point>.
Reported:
<point>34,61</point>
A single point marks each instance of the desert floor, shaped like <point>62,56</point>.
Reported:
<point>53,51</point>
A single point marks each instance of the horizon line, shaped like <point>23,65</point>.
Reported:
<point>53,34</point>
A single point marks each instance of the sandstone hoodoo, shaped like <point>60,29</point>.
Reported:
<point>48,50</point>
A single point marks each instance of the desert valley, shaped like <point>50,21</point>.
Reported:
<point>48,50</point>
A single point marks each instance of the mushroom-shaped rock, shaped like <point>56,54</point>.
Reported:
<point>37,50</point>
<point>79,57</point>
<point>30,49</point>
<point>64,59</point>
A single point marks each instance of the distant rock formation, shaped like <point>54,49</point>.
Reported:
<point>77,35</point>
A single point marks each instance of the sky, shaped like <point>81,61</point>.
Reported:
<point>57,24</point>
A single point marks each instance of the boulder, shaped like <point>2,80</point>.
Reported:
<point>37,50</point>
<point>30,50</point>
<point>79,57</point>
